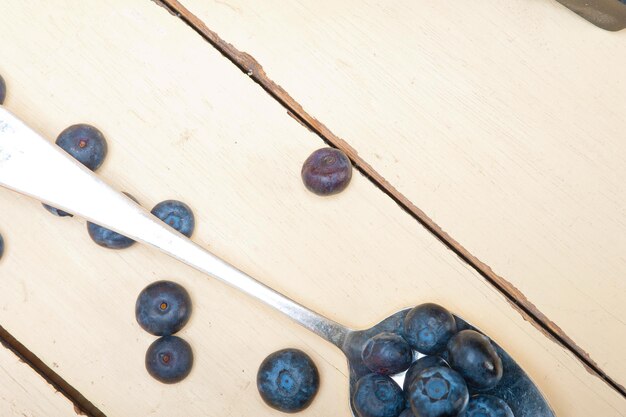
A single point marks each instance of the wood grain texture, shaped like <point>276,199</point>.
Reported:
<point>183,123</point>
<point>503,123</point>
<point>24,393</point>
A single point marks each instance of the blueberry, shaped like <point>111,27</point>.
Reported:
<point>428,327</point>
<point>163,308</point>
<point>108,238</point>
<point>387,354</point>
<point>1,246</point>
<point>474,357</point>
<point>420,364</point>
<point>177,214</point>
<point>56,211</point>
<point>326,171</point>
<point>288,380</point>
<point>85,143</point>
<point>438,392</point>
<point>377,396</point>
<point>3,90</point>
<point>407,413</point>
<point>169,359</point>
<point>487,406</point>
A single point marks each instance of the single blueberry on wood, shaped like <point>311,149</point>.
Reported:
<point>163,308</point>
<point>169,359</point>
<point>487,406</point>
<point>108,238</point>
<point>419,365</point>
<point>428,327</point>
<point>387,354</point>
<point>288,380</point>
<point>438,392</point>
<point>85,143</point>
<point>3,90</point>
<point>472,355</point>
<point>326,171</point>
<point>176,214</point>
<point>377,396</point>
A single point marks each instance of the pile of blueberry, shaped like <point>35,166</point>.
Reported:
<point>436,385</point>
<point>162,309</point>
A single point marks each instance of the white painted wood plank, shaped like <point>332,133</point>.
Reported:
<point>503,121</point>
<point>24,393</point>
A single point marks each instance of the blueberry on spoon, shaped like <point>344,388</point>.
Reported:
<point>487,406</point>
<point>377,396</point>
<point>438,392</point>
<point>428,327</point>
<point>419,365</point>
<point>163,308</point>
<point>474,357</point>
<point>387,354</point>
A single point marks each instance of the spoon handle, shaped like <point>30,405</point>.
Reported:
<point>31,165</point>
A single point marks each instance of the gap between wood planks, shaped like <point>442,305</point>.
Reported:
<point>82,406</point>
<point>247,64</point>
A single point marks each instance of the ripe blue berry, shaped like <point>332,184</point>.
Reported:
<point>288,380</point>
<point>169,359</point>
<point>326,171</point>
<point>428,327</point>
<point>438,392</point>
<point>1,246</point>
<point>377,396</point>
<point>387,354</point>
<point>487,406</point>
<point>419,365</point>
<point>474,357</point>
<point>56,211</point>
<point>3,90</point>
<point>108,238</point>
<point>163,308</point>
<point>85,143</point>
<point>176,214</point>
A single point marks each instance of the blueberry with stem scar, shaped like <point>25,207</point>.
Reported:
<point>163,308</point>
<point>85,143</point>
<point>288,380</point>
<point>169,359</point>
<point>428,327</point>
<point>326,171</point>
<point>108,238</point>
<point>438,392</point>
<point>419,365</point>
<point>377,396</point>
<point>176,214</point>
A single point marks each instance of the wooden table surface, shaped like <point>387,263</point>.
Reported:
<point>488,143</point>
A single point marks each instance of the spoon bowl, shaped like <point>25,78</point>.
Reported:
<point>31,165</point>
<point>515,388</point>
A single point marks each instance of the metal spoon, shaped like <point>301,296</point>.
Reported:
<point>31,165</point>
